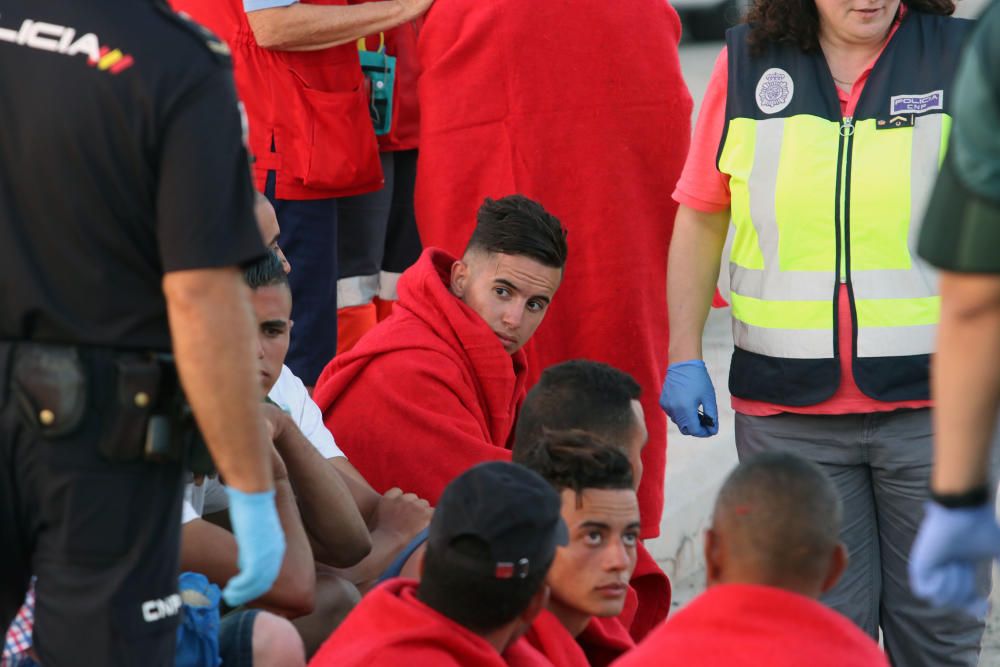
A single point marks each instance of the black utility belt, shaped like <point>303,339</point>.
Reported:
<point>136,396</point>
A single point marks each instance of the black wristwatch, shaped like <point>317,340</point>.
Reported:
<point>971,498</point>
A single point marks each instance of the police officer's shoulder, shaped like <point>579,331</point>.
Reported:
<point>196,32</point>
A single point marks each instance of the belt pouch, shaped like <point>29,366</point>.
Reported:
<point>137,397</point>
<point>50,386</point>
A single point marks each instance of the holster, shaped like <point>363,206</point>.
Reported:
<point>153,411</point>
<point>137,396</point>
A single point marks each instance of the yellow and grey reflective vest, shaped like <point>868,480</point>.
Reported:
<point>819,200</point>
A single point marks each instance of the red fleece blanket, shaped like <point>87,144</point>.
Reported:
<point>426,394</point>
<point>580,105</point>
<point>548,636</point>
<point>604,640</point>
<point>651,603</point>
<point>600,643</point>
<point>390,627</point>
<point>741,625</point>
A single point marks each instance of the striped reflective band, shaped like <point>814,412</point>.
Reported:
<point>885,298</point>
<point>356,291</point>
<point>764,185</point>
<point>387,282</point>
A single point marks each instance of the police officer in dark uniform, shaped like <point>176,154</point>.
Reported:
<point>960,536</point>
<point>125,206</point>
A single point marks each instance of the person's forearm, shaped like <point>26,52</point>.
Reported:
<point>308,27</point>
<point>295,586</point>
<point>965,377</point>
<point>328,510</point>
<point>365,497</point>
<point>212,329</point>
<point>385,546</point>
<point>692,273</point>
<point>212,551</point>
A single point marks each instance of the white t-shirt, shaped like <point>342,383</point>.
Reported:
<point>289,393</point>
<point>291,396</point>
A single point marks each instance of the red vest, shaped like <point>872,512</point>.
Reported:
<point>311,106</point>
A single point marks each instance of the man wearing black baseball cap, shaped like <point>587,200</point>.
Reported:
<point>492,539</point>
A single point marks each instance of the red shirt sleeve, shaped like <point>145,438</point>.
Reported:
<point>702,186</point>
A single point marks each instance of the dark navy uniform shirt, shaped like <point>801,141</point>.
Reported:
<point>122,157</point>
<point>961,229</point>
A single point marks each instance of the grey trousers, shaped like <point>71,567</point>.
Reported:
<point>880,464</point>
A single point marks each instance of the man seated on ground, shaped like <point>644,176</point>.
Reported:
<point>771,551</point>
<point>589,578</point>
<point>435,388</point>
<point>394,517</point>
<point>319,524</point>
<point>492,540</point>
<point>604,401</point>
<point>331,530</point>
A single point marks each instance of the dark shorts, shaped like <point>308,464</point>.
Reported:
<point>377,231</point>
<point>309,241</point>
<point>236,638</point>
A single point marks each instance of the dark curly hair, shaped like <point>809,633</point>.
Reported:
<point>577,460</point>
<point>796,22</point>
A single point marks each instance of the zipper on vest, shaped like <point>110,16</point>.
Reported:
<point>843,193</point>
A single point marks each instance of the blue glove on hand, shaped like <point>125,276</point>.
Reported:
<point>686,388</point>
<point>950,545</point>
<point>261,543</point>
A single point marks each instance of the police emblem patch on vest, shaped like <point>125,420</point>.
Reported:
<point>932,101</point>
<point>774,90</point>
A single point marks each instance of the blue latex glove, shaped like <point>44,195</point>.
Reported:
<point>950,545</point>
<point>261,542</point>
<point>686,388</point>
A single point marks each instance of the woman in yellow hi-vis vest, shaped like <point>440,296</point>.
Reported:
<point>820,135</point>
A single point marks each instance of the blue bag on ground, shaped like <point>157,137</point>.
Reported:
<point>198,632</point>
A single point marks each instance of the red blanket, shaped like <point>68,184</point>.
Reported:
<point>426,394</point>
<point>651,603</point>
<point>580,105</point>
<point>600,643</point>
<point>548,635</point>
<point>740,625</point>
<point>390,627</point>
<point>604,640</point>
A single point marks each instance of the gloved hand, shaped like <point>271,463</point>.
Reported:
<point>261,543</point>
<point>687,387</point>
<point>950,545</point>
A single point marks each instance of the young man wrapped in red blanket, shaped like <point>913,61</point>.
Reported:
<point>771,551</point>
<point>581,105</point>
<point>604,402</point>
<point>435,388</point>
<point>590,575</point>
<point>490,545</point>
